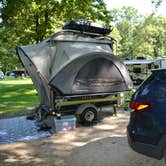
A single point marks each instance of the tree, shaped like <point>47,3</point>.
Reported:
<point>139,35</point>
<point>126,21</point>
<point>7,50</point>
<point>31,21</point>
<point>155,35</point>
<point>36,20</point>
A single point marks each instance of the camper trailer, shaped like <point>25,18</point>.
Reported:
<point>140,69</point>
<point>75,70</point>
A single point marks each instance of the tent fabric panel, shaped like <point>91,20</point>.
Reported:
<point>50,58</point>
<point>65,79</point>
<point>98,75</point>
<point>66,52</point>
<point>41,56</point>
<point>40,85</point>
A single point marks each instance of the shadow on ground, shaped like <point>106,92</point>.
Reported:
<point>102,144</point>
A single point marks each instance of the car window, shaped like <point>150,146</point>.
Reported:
<point>159,90</point>
<point>154,87</point>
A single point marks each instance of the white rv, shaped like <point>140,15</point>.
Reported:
<point>140,69</point>
<point>163,63</point>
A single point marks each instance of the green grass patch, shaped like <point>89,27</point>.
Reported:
<point>17,97</point>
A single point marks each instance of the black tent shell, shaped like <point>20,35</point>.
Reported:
<point>72,63</point>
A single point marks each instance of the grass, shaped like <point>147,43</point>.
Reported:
<point>17,97</point>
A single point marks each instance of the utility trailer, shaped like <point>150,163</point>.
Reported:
<point>75,70</point>
<point>85,107</point>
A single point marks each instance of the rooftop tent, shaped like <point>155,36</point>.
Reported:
<point>74,63</point>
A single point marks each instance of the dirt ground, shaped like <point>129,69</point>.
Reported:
<point>103,144</point>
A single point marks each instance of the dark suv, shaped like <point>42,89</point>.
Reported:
<point>147,127</point>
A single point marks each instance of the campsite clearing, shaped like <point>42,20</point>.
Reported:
<point>102,144</point>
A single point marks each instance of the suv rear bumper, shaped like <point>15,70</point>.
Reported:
<point>146,149</point>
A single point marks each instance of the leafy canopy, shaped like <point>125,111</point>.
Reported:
<point>31,21</point>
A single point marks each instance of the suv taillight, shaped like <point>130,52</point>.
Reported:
<point>139,106</point>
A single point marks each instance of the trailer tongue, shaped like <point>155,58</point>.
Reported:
<point>75,65</point>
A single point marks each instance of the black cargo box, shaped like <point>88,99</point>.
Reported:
<point>87,26</point>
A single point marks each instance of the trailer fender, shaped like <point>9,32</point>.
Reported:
<point>82,107</point>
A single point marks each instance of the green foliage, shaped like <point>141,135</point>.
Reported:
<point>125,21</point>
<point>32,21</point>
<point>127,96</point>
<point>17,95</point>
<point>8,58</point>
<point>29,21</point>
<point>139,35</point>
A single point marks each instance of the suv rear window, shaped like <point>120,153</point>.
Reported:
<point>154,87</point>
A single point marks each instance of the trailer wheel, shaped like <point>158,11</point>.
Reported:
<point>89,115</point>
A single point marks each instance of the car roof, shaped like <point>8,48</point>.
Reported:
<point>158,70</point>
<point>140,61</point>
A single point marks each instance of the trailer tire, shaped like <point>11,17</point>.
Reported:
<point>88,116</point>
